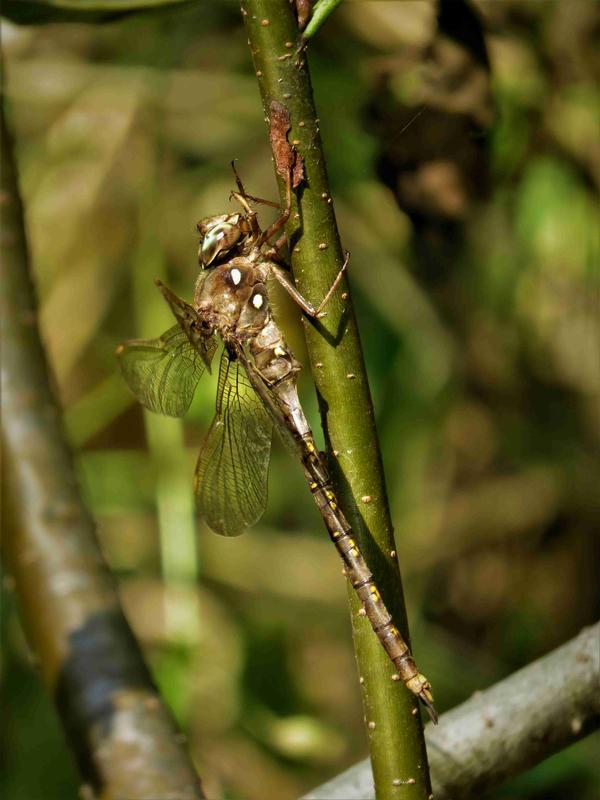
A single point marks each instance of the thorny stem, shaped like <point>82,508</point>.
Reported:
<point>123,736</point>
<point>504,730</point>
<point>394,728</point>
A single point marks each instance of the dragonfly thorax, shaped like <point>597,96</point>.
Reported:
<point>233,297</point>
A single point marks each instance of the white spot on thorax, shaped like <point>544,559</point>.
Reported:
<point>258,300</point>
<point>236,276</point>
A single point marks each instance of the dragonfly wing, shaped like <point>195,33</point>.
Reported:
<point>187,317</point>
<point>163,373</point>
<point>232,470</point>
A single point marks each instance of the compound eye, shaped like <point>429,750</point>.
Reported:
<point>217,240</point>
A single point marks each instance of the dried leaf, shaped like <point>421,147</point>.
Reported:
<point>287,158</point>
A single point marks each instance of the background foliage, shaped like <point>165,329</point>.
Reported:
<point>478,302</point>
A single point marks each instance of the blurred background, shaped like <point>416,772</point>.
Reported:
<point>464,157</point>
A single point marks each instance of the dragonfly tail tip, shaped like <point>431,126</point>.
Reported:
<point>429,707</point>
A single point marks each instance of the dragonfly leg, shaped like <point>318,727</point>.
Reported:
<point>260,200</point>
<point>250,212</point>
<point>304,304</point>
<point>333,286</point>
<point>283,217</point>
<point>242,199</point>
<point>245,194</point>
<point>274,251</point>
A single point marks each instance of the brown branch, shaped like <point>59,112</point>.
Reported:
<point>505,730</point>
<point>125,740</point>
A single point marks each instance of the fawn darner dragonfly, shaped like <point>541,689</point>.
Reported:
<point>256,393</point>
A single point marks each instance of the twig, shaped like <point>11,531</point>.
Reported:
<point>394,728</point>
<point>504,730</point>
<point>124,738</point>
<point>322,11</point>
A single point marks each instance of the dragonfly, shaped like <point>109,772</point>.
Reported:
<point>257,393</point>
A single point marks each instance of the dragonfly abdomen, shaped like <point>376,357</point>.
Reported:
<point>272,357</point>
<point>361,578</point>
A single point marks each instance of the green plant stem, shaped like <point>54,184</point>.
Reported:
<point>123,736</point>
<point>322,11</point>
<point>395,733</point>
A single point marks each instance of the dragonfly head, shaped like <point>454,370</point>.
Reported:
<point>218,236</point>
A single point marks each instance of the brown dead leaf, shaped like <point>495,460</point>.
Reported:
<point>287,158</point>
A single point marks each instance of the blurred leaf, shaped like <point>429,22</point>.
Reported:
<point>106,477</point>
<point>30,12</point>
<point>555,218</point>
<point>197,666</point>
<point>297,736</point>
<point>375,231</point>
<point>390,26</point>
<point>572,118</point>
<point>79,236</point>
<point>35,762</point>
<point>96,410</point>
<point>262,564</point>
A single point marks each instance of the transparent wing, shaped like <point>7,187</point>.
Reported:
<point>232,470</point>
<point>163,373</point>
